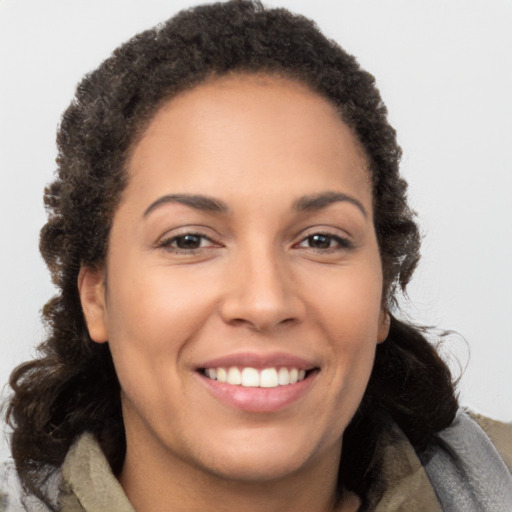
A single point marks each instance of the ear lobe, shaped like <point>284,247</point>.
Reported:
<point>384,325</point>
<point>91,288</point>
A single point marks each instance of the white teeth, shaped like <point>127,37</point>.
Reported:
<point>222,375</point>
<point>250,378</point>
<point>268,378</point>
<point>253,378</point>
<point>283,376</point>
<point>234,376</point>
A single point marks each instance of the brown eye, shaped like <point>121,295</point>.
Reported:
<point>326,242</point>
<point>188,241</point>
<point>319,241</point>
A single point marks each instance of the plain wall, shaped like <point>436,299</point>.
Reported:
<point>445,72</point>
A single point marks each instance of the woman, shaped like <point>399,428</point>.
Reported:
<point>228,229</point>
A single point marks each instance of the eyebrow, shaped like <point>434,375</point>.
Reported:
<point>208,204</point>
<point>196,201</point>
<point>316,202</point>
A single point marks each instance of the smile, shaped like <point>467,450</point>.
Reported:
<point>259,383</point>
<point>252,378</point>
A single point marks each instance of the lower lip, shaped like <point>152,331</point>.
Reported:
<point>259,399</point>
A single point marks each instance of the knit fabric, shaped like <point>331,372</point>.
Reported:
<point>470,471</point>
<point>469,475</point>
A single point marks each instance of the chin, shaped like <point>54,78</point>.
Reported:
<point>260,461</point>
<point>250,469</point>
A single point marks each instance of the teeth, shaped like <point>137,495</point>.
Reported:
<point>252,378</point>
<point>222,375</point>
<point>283,376</point>
<point>234,376</point>
<point>268,378</point>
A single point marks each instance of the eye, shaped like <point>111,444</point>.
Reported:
<point>187,242</point>
<point>325,241</point>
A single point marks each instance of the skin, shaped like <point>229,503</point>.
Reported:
<point>256,282</point>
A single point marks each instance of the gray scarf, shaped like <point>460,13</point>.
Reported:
<point>468,474</point>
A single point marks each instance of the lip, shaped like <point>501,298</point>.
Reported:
<point>259,361</point>
<point>259,400</point>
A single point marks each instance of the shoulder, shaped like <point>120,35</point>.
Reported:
<point>468,468</point>
<point>499,433</point>
<point>87,481</point>
<point>14,499</point>
<point>83,483</point>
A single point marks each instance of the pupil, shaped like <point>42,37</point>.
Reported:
<point>320,241</point>
<point>188,242</point>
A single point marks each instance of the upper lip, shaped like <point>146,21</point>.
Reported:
<point>259,361</point>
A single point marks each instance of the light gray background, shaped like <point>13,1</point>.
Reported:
<point>445,72</point>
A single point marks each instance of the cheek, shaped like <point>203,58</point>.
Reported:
<point>152,316</point>
<point>348,311</point>
<point>155,307</point>
<point>349,301</point>
<point>353,345</point>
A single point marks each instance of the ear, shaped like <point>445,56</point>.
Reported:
<point>384,324</point>
<point>91,288</point>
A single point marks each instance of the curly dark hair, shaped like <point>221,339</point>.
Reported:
<point>72,387</point>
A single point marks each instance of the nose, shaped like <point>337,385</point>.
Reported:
<point>261,294</point>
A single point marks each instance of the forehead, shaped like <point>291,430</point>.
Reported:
<point>248,128</point>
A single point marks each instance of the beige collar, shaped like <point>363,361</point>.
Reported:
<point>87,480</point>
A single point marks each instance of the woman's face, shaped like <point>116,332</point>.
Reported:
<point>243,249</point>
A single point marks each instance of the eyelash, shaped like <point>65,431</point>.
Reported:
<point>168,243</point>
<point>342,243</point>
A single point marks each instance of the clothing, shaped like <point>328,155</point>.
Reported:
<point>471,472</point>
<point>477,481</point>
